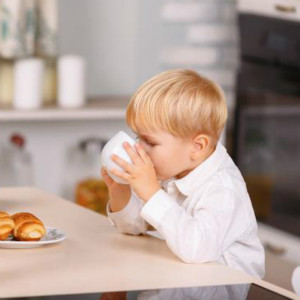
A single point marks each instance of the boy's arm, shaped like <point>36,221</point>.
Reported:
<point>124,207</point>
<point>128,219</point>
<point>200,236</point>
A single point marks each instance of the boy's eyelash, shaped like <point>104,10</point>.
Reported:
<point>146,141</point>
<point>151,143</point>
<point>138,138</point>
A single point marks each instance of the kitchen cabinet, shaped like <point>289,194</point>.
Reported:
<point>282,254</point>
<point>282,9</point>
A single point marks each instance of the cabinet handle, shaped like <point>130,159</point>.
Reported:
<point>277,250</point>
<point>285,9</point>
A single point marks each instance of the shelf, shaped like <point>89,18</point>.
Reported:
<point>102,108</point>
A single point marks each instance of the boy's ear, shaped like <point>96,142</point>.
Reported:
<point>200,144</point>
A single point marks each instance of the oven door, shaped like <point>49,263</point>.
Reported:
<point>268,155</point>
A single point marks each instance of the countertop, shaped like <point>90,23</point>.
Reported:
<point>95,257</point>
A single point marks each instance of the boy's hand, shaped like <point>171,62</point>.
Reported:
<point>140,174</point>
<point>119,194</point>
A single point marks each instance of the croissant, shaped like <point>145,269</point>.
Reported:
<point>28,227</point>
<point>6,225</point>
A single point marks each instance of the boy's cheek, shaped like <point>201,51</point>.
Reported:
<point>146,148</point>
<point>154,162</point>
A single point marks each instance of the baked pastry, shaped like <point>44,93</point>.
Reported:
<point>6,225</point>
<point>28,227</point>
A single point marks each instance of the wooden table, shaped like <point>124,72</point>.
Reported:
<point>95,257</point>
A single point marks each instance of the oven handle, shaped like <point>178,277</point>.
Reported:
<point>285,9</point>
<point>277,250</point>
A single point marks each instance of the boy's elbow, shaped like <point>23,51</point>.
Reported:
<point>198,257</point>
<point>131,230</point>
<point>189,260</point>
<point>195,260</point>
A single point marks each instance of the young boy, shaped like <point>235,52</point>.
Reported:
<point>181,180</point>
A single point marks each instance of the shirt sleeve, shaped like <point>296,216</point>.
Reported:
<point>204,234</point>
<point>128,220</point>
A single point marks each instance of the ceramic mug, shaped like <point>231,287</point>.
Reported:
<point>115,146</point>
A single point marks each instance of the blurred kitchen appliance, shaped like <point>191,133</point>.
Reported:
<point>84,184</point>
<point>267,123</point>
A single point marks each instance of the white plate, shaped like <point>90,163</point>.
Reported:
<point>53,235</point>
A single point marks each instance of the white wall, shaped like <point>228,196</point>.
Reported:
<point>105,32</point>
<point>127,42</point>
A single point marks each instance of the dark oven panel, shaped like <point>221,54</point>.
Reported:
<point>269,39</point>
<point>267,123</point>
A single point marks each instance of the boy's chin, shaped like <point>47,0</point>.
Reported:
<point>163,178</point>
<point>160,178</point>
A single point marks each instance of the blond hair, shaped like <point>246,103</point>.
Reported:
<point>181,102</point>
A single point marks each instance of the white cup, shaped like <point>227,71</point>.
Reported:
<point>115,146</point>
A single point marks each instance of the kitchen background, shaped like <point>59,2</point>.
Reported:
<point>53,136</point>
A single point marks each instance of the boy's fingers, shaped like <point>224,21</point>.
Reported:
<point>122,163</point>
<point>120,174</point>
<point>103,171</point>
<point>107,179</point>
<point>142,153</point>
<point>131,152</point>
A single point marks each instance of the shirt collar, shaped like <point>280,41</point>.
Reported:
<point>201,173</point>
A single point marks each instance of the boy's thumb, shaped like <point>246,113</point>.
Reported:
<point>107,179</point>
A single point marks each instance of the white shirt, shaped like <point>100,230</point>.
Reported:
<point>205,216</point>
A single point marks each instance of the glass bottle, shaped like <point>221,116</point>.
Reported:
<point>6,82</point>
<point>50,82</point>
<point>16,167</point>
<point>86,187</point>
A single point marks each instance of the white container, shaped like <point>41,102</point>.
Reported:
<point>28,83</point>
<point>71,81</point>
<point>115,146</point>
<point>16,166</point>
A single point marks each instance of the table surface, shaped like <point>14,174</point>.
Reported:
<point>95,257</point>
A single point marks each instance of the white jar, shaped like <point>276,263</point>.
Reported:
<point>28,83</point>
<point>71,81</point>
